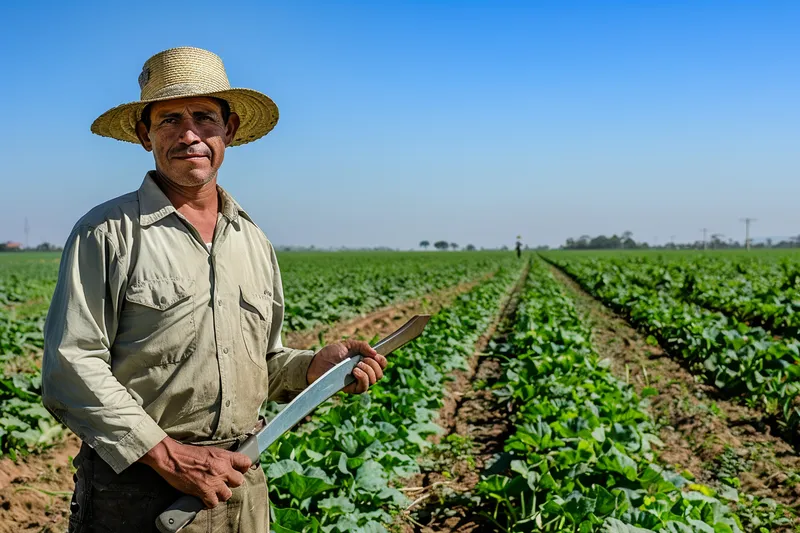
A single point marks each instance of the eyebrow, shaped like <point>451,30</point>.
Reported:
<point>176,114</point>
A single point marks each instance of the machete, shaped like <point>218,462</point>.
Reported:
<point>182,512</point>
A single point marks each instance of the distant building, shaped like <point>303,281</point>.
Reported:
<point>11,246</point>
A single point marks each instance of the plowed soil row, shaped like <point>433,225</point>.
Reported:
<point>703,433</point>
<point>35,491</point>
<point>475,431</point>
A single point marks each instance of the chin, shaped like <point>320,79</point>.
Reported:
<point>193,178</point>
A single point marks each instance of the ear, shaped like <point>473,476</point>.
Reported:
<point>144,136</point>
<point>231,127</point>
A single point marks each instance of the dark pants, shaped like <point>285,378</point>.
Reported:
<point>106,502</point>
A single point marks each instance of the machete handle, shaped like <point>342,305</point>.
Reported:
<point>180,514</point>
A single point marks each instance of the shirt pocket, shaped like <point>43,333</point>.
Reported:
<point>159,322</point>
<point>255,315</point>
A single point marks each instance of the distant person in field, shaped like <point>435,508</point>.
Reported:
<point>164,335</point>
<point>519,249</point>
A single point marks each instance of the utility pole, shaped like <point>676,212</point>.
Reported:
<point>747,222</point>
<point>27,233</point>
<point>705,240</point>
<point>672,240</point>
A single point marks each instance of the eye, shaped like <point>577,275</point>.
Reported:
<point>169,120</point>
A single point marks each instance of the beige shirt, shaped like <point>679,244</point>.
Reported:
<point>150,334</point>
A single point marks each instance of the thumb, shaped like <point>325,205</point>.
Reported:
<point>240,461</point>
<point>355,347</point>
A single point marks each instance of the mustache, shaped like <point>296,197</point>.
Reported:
<point>190,151</point>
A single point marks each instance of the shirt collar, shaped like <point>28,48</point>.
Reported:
<point>154,204</point>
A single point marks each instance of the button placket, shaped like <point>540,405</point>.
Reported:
<point>220,327</point>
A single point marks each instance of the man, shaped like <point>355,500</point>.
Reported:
<point>164,335</point>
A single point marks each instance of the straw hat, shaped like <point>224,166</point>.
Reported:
<point>185,72</point>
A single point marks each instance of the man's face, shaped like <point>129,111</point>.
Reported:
<point>188,139</point>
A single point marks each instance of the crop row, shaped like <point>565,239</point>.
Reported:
<point>757,292</point>
<point>338,472</point>
<point>25,277</point>
<point>324,288</point>
<point>318,287</point>
<point>581,452</point>
<point>742,361</point>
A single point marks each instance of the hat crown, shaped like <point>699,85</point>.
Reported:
<point>182,72</point>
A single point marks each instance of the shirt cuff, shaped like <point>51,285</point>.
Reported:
<point>130,448</point>
<point>296,377</point>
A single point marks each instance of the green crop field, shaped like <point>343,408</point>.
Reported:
<point>733,317</point>
<point>583,449</point>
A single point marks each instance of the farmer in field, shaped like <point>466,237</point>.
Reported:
<point>164,335</point>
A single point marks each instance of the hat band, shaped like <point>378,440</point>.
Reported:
<point>184,90</point>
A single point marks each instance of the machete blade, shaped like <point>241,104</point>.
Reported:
<point>182,512</point>
<point>332,382</point>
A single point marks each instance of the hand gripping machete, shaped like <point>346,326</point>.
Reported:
<point>182,512</point>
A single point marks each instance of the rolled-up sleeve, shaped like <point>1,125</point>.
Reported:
<point>287,367</point>
<point>78,386</point>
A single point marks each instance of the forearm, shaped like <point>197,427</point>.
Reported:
<point>78,386</point>
<point>288,372</point>
<point>163,457</point>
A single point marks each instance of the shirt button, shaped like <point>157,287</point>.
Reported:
<point>224,350</point>
<point>227,403</point>
<point>219,303</point>
<point>163,300</point>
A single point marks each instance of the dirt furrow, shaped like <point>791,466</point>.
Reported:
<point>476,427</point>
<point>35,490</point>
<point>704,434</point>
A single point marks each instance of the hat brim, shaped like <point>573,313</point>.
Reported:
<point>257,112</point>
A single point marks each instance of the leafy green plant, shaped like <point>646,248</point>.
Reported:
<point>338,472</point>
<point>742,361</point>
<point>582,450</point>
<point>25,425</point>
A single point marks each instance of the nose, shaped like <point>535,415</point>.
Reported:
<point>189,131</point>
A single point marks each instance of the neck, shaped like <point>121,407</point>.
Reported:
<point>202,199</point>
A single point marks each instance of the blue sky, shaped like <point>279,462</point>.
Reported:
<point>401,121</point>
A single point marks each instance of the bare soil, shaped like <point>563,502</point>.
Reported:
<point>703,433</point>
<point>35,491</point>
<point>476,427</point>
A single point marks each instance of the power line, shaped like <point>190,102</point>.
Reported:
<point>747,222</point>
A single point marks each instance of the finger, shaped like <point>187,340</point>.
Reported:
<point>234,479</point>
<point>378,358</point>
<point>375,369</point>
<point>224,493</point>
<point>210,499</point>
<point>381,360</point>
<point>370,372</point>
<point>362,380</point>
<point>240,461</point>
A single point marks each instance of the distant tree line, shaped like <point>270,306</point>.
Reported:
<point>626,241</point>
<point>444,245</point>
<point>17,247</point>
<point>601,242</point>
